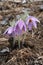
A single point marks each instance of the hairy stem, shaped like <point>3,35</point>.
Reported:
<point>19,41</point>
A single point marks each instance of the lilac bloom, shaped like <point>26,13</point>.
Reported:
<point>21,24</point>
<point>8,31</point>
<point>17,30</point>
<point>31,22</point>
<point>19,27</point>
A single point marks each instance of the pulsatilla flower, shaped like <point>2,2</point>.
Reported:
<point>8,31</point>
<point>31,22</point>
<point>20,27</point>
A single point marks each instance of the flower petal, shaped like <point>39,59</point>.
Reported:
<point>30,26</point>
<point>35,24</point>
<point>9,31</point>
<point>20,24</point>
<point>35,19</point>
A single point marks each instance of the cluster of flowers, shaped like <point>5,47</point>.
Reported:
<point>21,26</point>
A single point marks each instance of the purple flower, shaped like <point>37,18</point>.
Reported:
<point>20,27</point>
<point>31,22</point>
<point>8,31</point>
<point>21,24</point>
